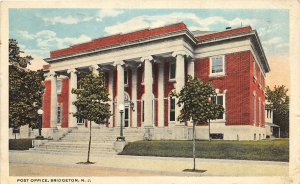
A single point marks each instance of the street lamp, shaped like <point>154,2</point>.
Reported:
<point>40,113</point>
<point>121,109</point>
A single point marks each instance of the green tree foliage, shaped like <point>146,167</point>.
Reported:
<point>196,103</point>
<point>279,102</point>
<point>25,89</point>
<point>92,101</point>
<point>195,99</point>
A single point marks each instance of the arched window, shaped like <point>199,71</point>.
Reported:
<point>127,109</point>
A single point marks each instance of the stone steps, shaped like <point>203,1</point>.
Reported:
<point>84,152</point>
<point>76,141</point>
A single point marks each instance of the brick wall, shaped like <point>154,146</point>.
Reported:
<point>237,83</point>
<point>63,99</point>
<point>140,92</point>
<point>47,104</point>
<point>257,86</point>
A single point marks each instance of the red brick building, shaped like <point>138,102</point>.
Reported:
<point>142,68</point>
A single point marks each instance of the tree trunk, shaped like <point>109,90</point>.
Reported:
<point>90,140</point>
<point>209,130</point>
<point>194,168</point>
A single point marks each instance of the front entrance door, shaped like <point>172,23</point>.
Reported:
<point>126,116</point>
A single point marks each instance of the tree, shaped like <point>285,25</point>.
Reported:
<point>25,89</point>
<point>196,103</point>
<point>279,102</point>
<point>92,101</point>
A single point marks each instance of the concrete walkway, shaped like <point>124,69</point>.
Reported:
<point>21,163</point>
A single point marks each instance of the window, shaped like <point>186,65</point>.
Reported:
<point>254,70</point>
<point>217,136</point>
<point>172,109</point>
<point>58,86</point>
<point>219,99</point>
<point>217,65</point>
<point>125,77</point>
<point>255,137</point>
<point>58,114</point>
<point>254,109</point>
<point>172,71</point>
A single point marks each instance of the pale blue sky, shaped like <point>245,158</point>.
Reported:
<point>39,31</point>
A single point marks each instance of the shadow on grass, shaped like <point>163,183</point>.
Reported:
<point>196,170</point>
<point>86,163</point>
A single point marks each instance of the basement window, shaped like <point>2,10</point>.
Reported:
<point>217,136</point>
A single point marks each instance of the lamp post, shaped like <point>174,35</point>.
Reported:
<point>40,113</point>
<point>121,109</point>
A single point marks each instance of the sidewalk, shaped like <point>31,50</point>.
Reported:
<point>119,165</point>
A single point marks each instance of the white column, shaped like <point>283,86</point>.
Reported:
<point>94,69</point>
<point>179,71</point>
<point>148,94</point>
<point>191,67</point>
<point>111,96</point>
<point>53,117</point>
<point>180,78</point>
<point>134,96</point>
<point>120,91</point>
<point>72,97</point>
<point>161,93</point>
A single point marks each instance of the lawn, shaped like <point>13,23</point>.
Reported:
<point>272,150</point>
<point>20,144</point>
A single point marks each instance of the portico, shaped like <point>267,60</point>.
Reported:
<point>130,81</point>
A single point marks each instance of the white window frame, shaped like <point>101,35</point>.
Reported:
<point>210,66</point>
<point>169,109</point>
<point>224,106</point>
<point>170,65</point>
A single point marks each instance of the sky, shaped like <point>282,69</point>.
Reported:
<point>39,31</point>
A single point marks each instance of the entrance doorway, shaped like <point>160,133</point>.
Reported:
<point>126,116</point>
<point>126,110</point>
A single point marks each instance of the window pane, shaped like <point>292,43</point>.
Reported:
<point>213,99</point>
<point>217,64</point>
<point>172,71</point>
<point>126,113</point>
<point>220,100</point>
<point>172,105</point>
<point>220,116</point>
<point>172,115</point>
<point>125,77</point>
